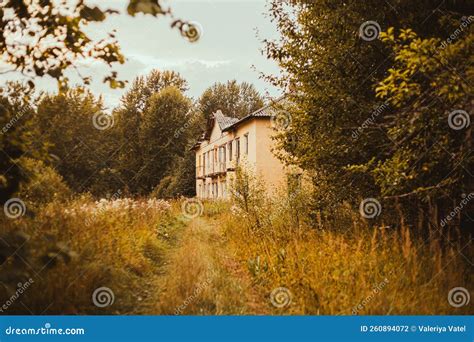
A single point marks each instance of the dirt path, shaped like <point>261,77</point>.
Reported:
<point>202,277</point>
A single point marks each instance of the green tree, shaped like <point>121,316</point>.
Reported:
<point>82,142</point>
<point>18,136</point>
<point>430,85</point>
<point>331,60</point>
<point>165,113</point>
<point>233,99</point>
<point>130,121</point>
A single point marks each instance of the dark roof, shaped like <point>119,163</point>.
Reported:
<point>224,121</point>
<point>265,112</point>
<point>227,123</point>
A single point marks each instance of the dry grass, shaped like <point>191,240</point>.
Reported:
<point>350,270</point>
<point>69,256</point>
<point>158,262</point>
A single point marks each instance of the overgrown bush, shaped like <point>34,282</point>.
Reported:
<point>43,184</point>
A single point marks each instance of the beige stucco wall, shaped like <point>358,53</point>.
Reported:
<point>259,158</point>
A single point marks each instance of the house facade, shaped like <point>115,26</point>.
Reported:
<point>230,142</point>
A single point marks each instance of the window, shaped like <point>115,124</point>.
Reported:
<point>246,141</point>
<point>229,146</point>
<point>237,149</point>
<point>221,157</point>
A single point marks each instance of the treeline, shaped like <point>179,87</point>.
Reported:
<point>383,95</point>
<point>57,144</point>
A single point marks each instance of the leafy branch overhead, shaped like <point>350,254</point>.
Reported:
<point>42,37</point>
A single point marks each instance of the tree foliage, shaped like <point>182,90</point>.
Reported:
<point>80,148</point>
<point>233,99</point>
<point>18,136</point>
<point>354,144</point>
<point>43,37</point>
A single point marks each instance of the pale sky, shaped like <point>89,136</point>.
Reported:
<point>228,49</point>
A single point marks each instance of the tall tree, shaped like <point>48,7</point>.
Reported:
<point>18,136</point>
<point>82,143</point>
<point>130,117</point>
<point>331,59</point>
<point>233,99</point>
<point>165,113</point>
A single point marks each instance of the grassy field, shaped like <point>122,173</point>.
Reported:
<point>150,257</point>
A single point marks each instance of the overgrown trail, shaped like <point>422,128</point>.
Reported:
<point>201,276</point>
